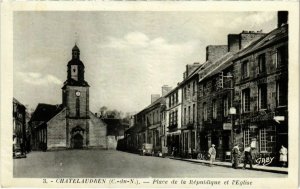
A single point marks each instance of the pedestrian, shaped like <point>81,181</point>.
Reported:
<point>283,156</point>
<point>247,157</point>
<point>235,156</point>
<point>212,153</point>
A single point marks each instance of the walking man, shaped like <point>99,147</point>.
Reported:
<point>248,157</point>
<point>235,155</point>
<point>212,153</point>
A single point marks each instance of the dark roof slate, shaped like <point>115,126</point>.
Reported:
<point>44,112</point>
<point>275,35</point>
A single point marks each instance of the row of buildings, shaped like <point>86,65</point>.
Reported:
<point>238,95</point>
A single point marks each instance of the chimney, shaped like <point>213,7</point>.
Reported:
<point>240,41</point>
<point>233,41</point>
<point>190,68</point>
<point>213,52</point>
<point>248,36</point>
<point>165,89</point>
<point>282,18</point>
<point>154,97</point>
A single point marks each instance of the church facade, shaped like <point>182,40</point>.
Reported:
<point>71,124</point>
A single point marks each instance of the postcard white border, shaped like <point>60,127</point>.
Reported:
<point>7,10</point>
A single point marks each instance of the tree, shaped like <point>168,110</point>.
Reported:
<point>103,111</point>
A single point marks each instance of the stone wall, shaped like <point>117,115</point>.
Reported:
<point>56,131</point>
<point>98,132</point>
<point>83,99</point>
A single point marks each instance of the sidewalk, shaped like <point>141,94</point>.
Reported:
<point>228,164</point>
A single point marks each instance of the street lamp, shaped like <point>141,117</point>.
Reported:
<point>232,112</point>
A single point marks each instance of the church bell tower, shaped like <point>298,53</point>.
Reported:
<point>75,97</point>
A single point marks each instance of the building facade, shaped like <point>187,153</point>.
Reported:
<point>189,121</point>
<point>261,93</point>
<point>173,119</point>
<point>216,92</point>
<point>19,126</point>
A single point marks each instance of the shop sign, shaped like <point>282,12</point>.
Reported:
<point>264,160</point>
<point>227,126</point>
<point>278,118</point>
<point>268,116</point>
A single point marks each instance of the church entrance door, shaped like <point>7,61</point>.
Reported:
<point>77,141</point>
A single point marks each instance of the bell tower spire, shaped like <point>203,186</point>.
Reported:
<point>75,52</point>
<point>76,68</point>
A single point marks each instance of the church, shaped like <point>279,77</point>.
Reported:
<point>70,125</point>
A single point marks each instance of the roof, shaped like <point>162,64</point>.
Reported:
<point>217,66</point>
<point>195,72</point>
<point>73,82</point>
<point>44,112</point>
<point>227,60</point>
<point>75,48</point>
<point>17,102</point>
<point>275,35</point>
<point>161,100</point>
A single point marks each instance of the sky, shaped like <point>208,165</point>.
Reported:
<point>127,55</point>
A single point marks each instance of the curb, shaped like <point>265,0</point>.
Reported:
<point>254,168</point>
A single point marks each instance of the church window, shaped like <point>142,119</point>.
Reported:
<point>77,107</point>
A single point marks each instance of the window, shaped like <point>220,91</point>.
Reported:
<point>225,106</point>
<point>184,93</point>
<point>170,101</point>
<point>204,88</point>
<point>262,63</point>
<point>204,111</point>
<point>194,109</point>
<point>153,118</point>
<point>262,97</point>
<point>214,109</point>
<point>246,137</point>
<point>193,138</point>
<point>157,138</point>
<point>184,116</point>
<point>263,140</point>
<point>189,114</point>
<point>173,99</point>
<point>77,107</point>
<point>246,100</point>
<point>175,117</point>
<point>282,56</point>
<point>281,93</point>
<point>194,88</point>
<point>176,96</point>
<point>245,69</point>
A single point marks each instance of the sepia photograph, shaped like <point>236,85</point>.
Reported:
<point>151,94</point>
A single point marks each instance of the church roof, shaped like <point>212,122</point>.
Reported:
<point>44,112</point>
<point>75,48</point>
<point>72,82</point>
<point>75,62</point>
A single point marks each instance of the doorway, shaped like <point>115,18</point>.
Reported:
<point>77,141</point>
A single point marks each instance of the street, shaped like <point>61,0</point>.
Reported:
<point>101,164</point>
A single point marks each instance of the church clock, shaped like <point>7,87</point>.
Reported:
<point>76,89</point>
